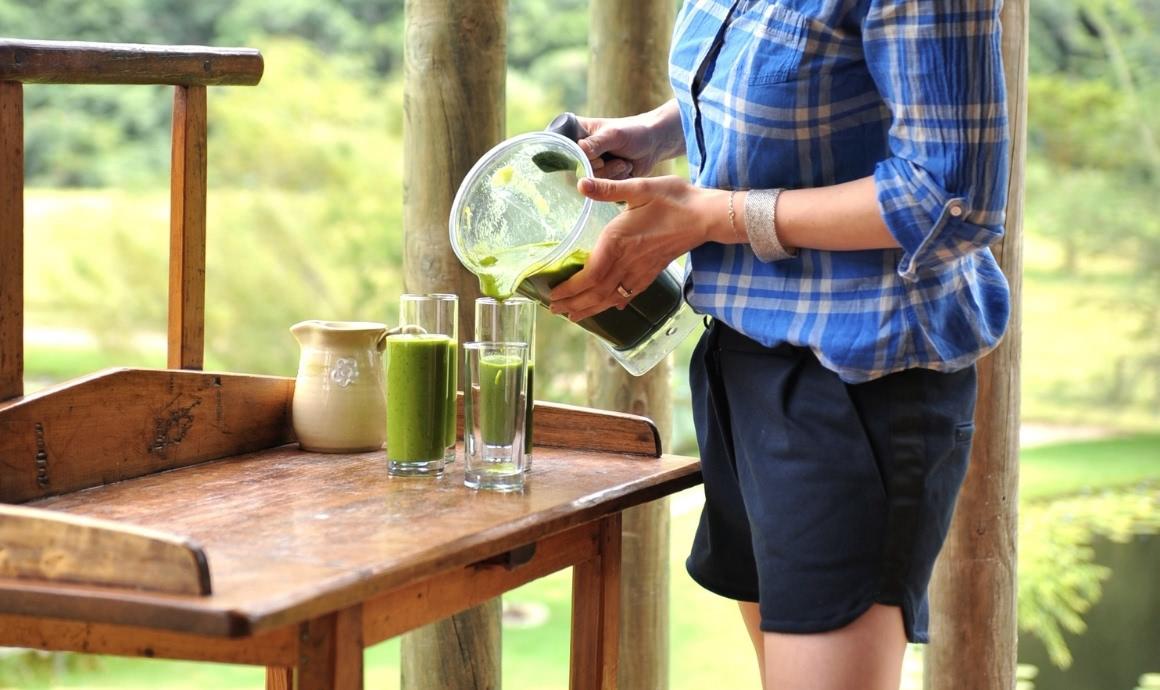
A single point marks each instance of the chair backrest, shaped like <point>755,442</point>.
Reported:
<point>190,69</point>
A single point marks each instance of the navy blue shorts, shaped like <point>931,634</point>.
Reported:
<point>822,497</point>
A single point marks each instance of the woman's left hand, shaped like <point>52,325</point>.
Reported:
<point>665,218</point>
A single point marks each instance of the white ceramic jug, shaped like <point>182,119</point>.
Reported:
<point>339,394</point>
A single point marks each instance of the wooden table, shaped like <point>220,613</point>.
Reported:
<point>269,555</point>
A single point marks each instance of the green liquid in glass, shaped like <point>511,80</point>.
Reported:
<point>622,328</point>
<point>528,414</point>
<point>452,392</point>
<point>417,371</point>
<point>498,375</point>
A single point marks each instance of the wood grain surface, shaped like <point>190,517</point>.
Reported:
<point>595,614</point>
<point>276,648</point>
<point>51,546</point>
<point>973,590</point>
<point>124,423</point>
<point>628,48</point>
<point>11,240</point>
<point>566,426</point>
<point>187,204</point>
<point>73,62</point>
<point>292,535</point>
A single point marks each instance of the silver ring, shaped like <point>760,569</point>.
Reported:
<point>624,292</point>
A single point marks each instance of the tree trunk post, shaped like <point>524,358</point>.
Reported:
<point>628,74</point>
<point>973,614</point>
<point>455,55</point>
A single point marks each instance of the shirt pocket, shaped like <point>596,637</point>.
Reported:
<point>778,39</point>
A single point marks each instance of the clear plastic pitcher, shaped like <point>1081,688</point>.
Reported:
<point>521,226</point>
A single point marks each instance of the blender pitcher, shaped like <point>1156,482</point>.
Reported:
<point>519,224</point>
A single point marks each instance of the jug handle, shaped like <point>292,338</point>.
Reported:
<point>381,343</point>
<point>568,125</point>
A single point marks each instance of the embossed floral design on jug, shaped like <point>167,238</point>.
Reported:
<point>339,394</point>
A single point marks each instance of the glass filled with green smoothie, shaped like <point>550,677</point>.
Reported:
<point>512,320</point>
<point>520,224</point>
<point>495,409</point>
<point>417,373</point>
<point>439,313</point>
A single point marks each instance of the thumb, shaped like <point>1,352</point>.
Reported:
<point>632,191</point>
<point>600,141</point>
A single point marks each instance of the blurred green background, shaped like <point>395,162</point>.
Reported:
<point>305,221</point>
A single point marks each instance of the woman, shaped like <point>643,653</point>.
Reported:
<point>849,165</point>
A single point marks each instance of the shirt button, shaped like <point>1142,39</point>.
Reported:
<point>956,210</point>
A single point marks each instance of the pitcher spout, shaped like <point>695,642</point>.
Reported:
<point>302,329</point>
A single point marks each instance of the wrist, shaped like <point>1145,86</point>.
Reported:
<point>714,222</point>
<point>664,126</point>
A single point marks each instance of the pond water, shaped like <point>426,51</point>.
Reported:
<point>1122,641</point>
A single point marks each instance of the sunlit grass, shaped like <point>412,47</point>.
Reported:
<point>1088,466</point>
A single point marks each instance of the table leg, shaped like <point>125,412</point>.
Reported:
<point>596,613</point>
<point>278,678</point>
<point>330,655</point>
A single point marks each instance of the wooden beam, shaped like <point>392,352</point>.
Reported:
<point>454,72</point>
<point>403,609</point>
<point>274,648</point>
<point>595,614</point>
<point>569,426</point>
<point>49,546</point>
<point>973,611</point>
<point>75,62</point>
<point>628,74</point>
<point>75,435</point>
<point>11,240</point>
<point>187,230</point>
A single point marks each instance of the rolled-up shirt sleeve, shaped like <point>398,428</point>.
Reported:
<point>939,68</point>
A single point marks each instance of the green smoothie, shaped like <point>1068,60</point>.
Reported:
<point>498,391</point>
<point>417,373</point>
<point>528,415</point>
<point>622,328</point>
<point>452,389</point>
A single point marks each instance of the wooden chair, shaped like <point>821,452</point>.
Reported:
<point>190,70</point>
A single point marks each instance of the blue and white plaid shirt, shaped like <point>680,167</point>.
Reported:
<point>807,93</point>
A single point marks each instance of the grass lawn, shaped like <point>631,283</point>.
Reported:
<point>1088,466</point>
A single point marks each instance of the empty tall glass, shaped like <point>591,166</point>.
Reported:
<point>511,320</point>
<point>494,406</point>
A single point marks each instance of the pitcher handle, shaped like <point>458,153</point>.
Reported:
<point>381,344</point>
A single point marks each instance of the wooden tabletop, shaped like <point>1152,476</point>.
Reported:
<point>290,535</point>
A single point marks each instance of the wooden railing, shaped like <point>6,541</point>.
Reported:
<point>190,69</point>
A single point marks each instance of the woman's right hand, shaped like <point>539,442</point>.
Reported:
<point>637,142</point>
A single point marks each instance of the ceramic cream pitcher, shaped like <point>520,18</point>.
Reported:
<point>339,394</point>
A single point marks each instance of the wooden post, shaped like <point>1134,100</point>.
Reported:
<point>973,614</point>
<point>628,74</point>
<point>11,240</point>
<point>187,230</point>
<point>453,102</point>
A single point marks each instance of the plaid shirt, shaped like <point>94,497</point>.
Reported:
<point>807,93</point>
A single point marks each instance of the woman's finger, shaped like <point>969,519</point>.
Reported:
<point>587,304</point>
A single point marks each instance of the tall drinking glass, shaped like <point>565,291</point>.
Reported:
<point>417,373</point>
<point>438,313</point>
<point>512,320</point>
<point>494,407</point>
